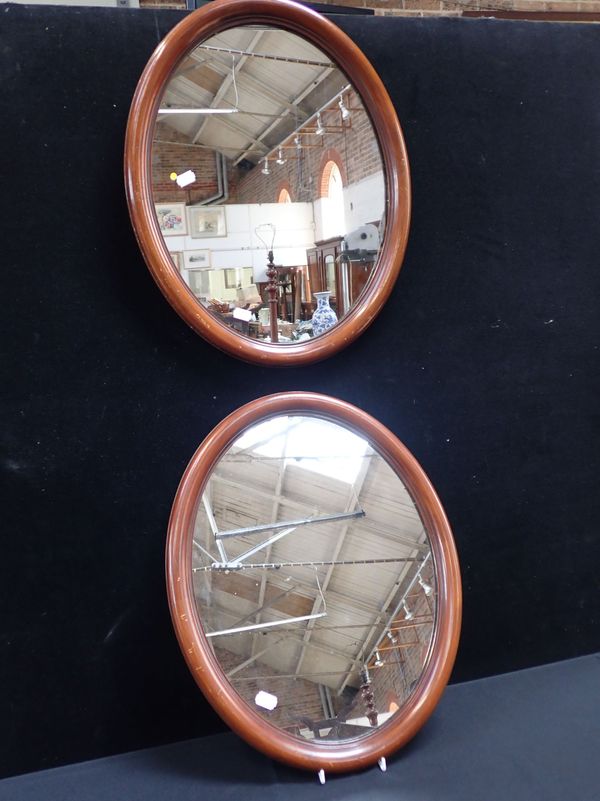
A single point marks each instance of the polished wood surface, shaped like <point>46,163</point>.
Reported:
<point>202,662</point>
<point>198,26</point>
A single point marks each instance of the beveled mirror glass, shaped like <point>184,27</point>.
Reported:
<point>321,580</point>
<point>272,199</point>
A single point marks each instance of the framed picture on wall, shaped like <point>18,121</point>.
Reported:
<point>171,218</point>
<point>196,259</point>
<point>177,257</point>
<point>206,221</point>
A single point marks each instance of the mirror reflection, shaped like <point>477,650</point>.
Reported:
<point>313,578</point>
<point>268,184</point>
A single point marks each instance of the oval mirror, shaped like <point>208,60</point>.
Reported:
<point>313,582</point>
<point>267,180</point>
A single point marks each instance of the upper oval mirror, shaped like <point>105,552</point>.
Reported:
<point>267,181</point>
<point>313,581</point>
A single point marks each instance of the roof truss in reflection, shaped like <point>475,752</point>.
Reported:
<point>359,568</point>
<point>274,81</point>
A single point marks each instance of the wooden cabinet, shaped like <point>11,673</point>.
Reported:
<point>344,279</point>
<point>324,271</point>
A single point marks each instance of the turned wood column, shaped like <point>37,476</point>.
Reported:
<point>272,291</point>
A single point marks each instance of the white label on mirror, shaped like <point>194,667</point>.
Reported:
<point>242,314</point>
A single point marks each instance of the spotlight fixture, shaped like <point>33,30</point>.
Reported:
<point>427,588</point>
<point>378,660</point>
<point>391,637</point>
<point>320,130</point>
<point>343,109</point>
<point>185,179</point>
<point>280,159</point>
<point>408,615</point>
<point>265,170</point>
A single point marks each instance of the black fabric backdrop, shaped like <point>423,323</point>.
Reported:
<point>483,362</point>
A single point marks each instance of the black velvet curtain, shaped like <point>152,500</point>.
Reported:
<point>484,362</point>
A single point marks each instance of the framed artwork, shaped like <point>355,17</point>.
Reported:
<point>171,218</point>
<point>207,221</point>
<point>177,257</point>
<point>196,259</point>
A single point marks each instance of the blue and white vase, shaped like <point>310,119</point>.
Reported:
<point>324,316</point>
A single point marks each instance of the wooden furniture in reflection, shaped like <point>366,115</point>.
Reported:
<point>323,266</point>
<point>288,281</point>
<point>328,269</point>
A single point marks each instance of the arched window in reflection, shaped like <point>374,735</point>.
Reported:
<point>334,222</point>
<point>284,196</point>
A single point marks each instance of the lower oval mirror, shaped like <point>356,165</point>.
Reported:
<point>313,581</point>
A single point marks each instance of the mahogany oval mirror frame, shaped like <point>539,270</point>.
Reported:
<point>218,17</point>
<point>248,424</point>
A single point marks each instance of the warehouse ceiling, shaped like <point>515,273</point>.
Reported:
<point>273,81</point>
<point>306,544</point>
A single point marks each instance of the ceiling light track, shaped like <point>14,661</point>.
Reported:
<point>311,124</point>
<point>268,56</point>
<point>198,111</point>
<point>233,565</point>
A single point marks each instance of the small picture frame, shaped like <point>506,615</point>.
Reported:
<point>171,218</point>
<point>196,259</point>
<point>177,256</point>
<point>207,221</point>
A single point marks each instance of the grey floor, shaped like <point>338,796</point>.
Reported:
<point>524,736</point>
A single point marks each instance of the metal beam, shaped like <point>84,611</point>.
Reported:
<point>267,56</point>
<point>303,521</point>
<point>353,500</point>
<point>319,79</point>
<point>204,551</point>
<point>274,513</point>
<point>226,123</point>
<point>213,526</point>
<point>289,636</point>
<point>398,606</point>
<point>237,565</point>
<point>334,598</point>
<point>269,603</point>
<point>237,562</point>
<point>377,623</point>
<point>269,624</point>
<point>385,534</point>
<point>227,82</point>
<point>247,662</point>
